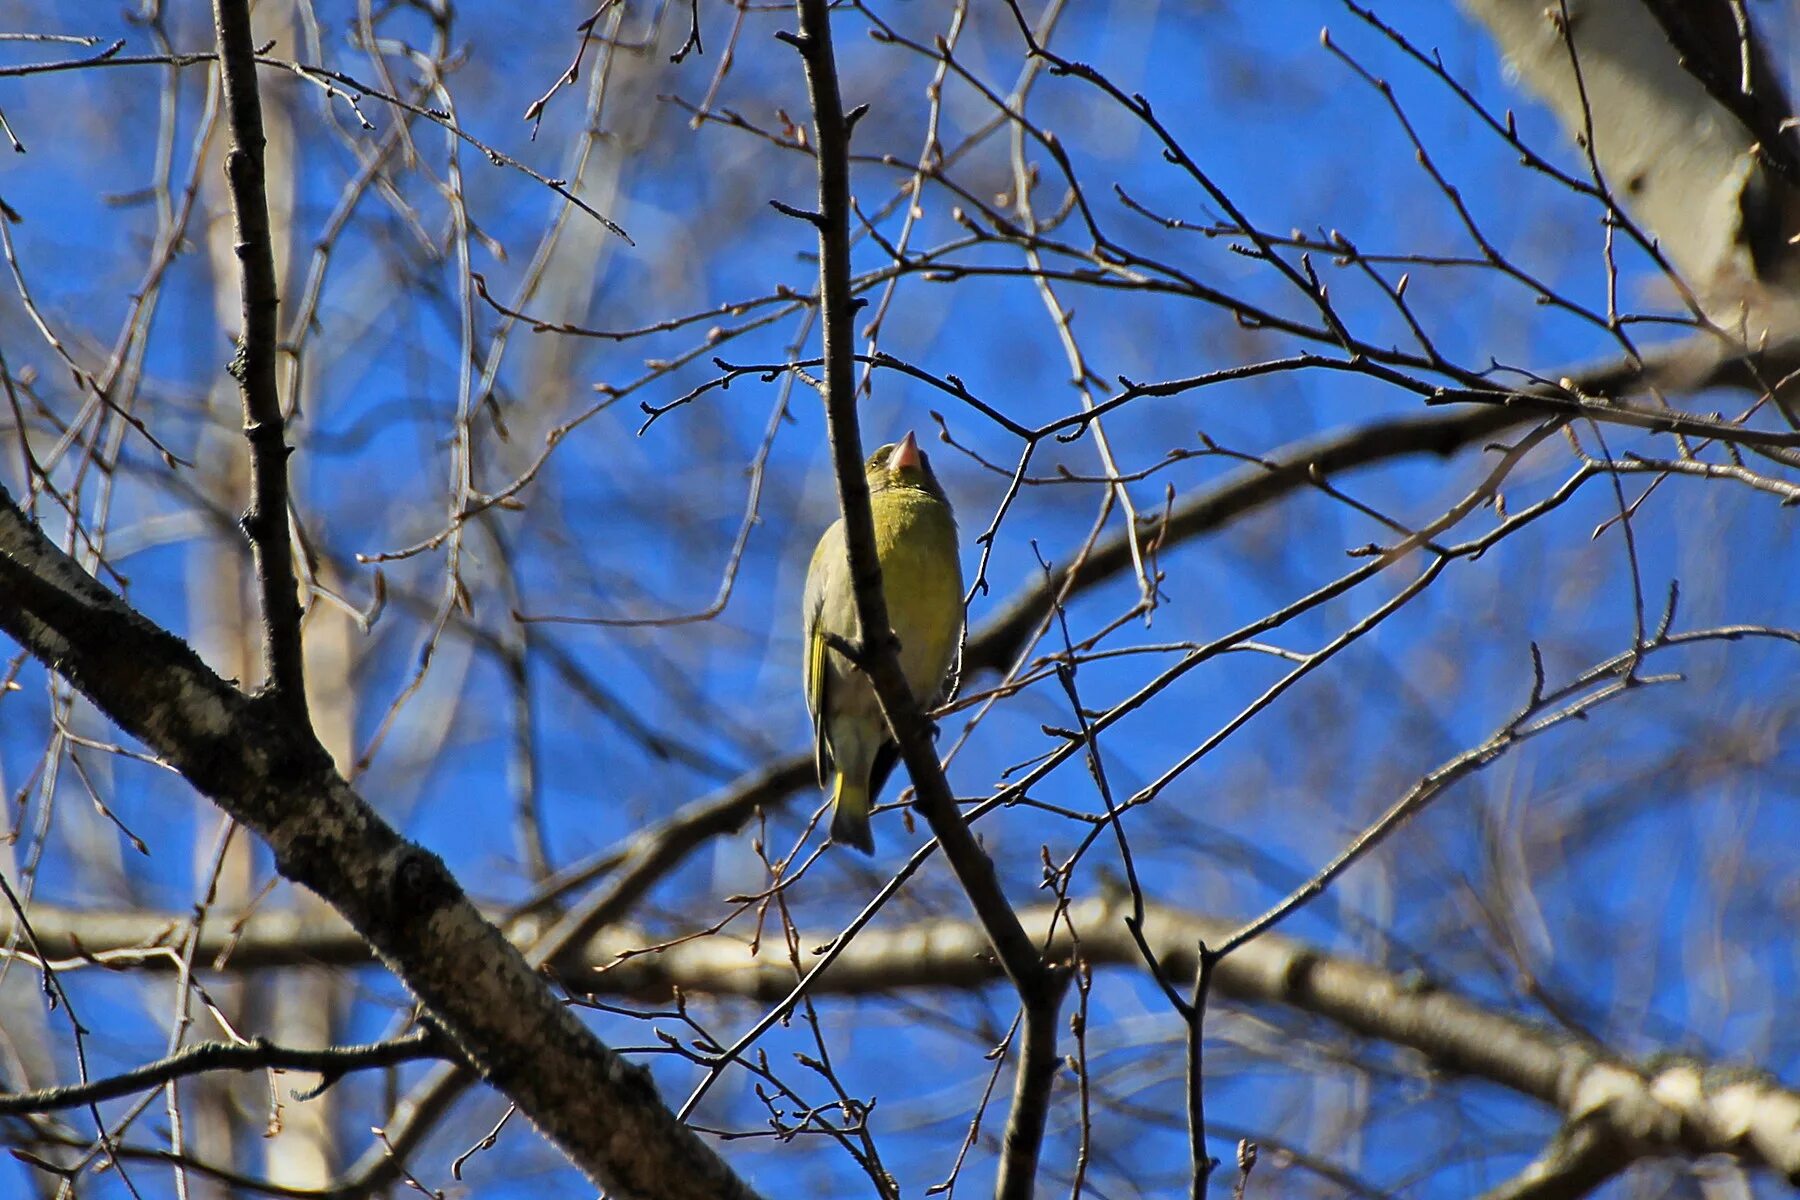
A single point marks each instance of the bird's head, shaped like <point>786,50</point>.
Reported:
<point>902,464</point>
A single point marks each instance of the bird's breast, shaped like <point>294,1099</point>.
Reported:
<point>921,574</point>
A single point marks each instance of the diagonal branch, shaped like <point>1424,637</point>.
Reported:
<point>1583,1155</point>
<point>271,774</point>
<point>265,520</point>
<point>1694,365</point>
<point>1039,985</point>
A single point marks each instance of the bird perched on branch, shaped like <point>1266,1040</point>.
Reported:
<point>921,575</point>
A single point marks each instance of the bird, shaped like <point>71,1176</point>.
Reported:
<point>921,576</point>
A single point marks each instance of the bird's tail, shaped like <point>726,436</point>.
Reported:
<point>850,820</point>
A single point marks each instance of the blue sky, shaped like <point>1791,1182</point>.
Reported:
<point>1660,886</point>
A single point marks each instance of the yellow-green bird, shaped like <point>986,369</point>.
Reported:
<point>921,575</point>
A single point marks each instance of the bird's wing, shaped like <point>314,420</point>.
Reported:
<point>816,652</point>
<point>953,675</point>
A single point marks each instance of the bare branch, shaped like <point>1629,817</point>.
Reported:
<point>1583,1155</point>
<point>1040,986</point>
<point>253,1055</point>
<point>275,778</point>
<point>266,517</point>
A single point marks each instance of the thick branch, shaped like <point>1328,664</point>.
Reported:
<point>1679,1106</point>
<point>1706,173</point>
<point>1732,64</point>
<point>270,774</point>
<point>266,518</point>
<point>1581,1157</point>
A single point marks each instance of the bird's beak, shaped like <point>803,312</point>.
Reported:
<point>905,455</point>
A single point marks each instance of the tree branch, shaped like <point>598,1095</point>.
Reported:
<point>271,774</point>
<point>254,1055</point>
<point>1040,986</point>
<point>265,519</point>
<point>1721,208</point>
<point>1680,1106</point>
<point>1694,365</point>
<point>180,706</point>
<point>1581,1157</point>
